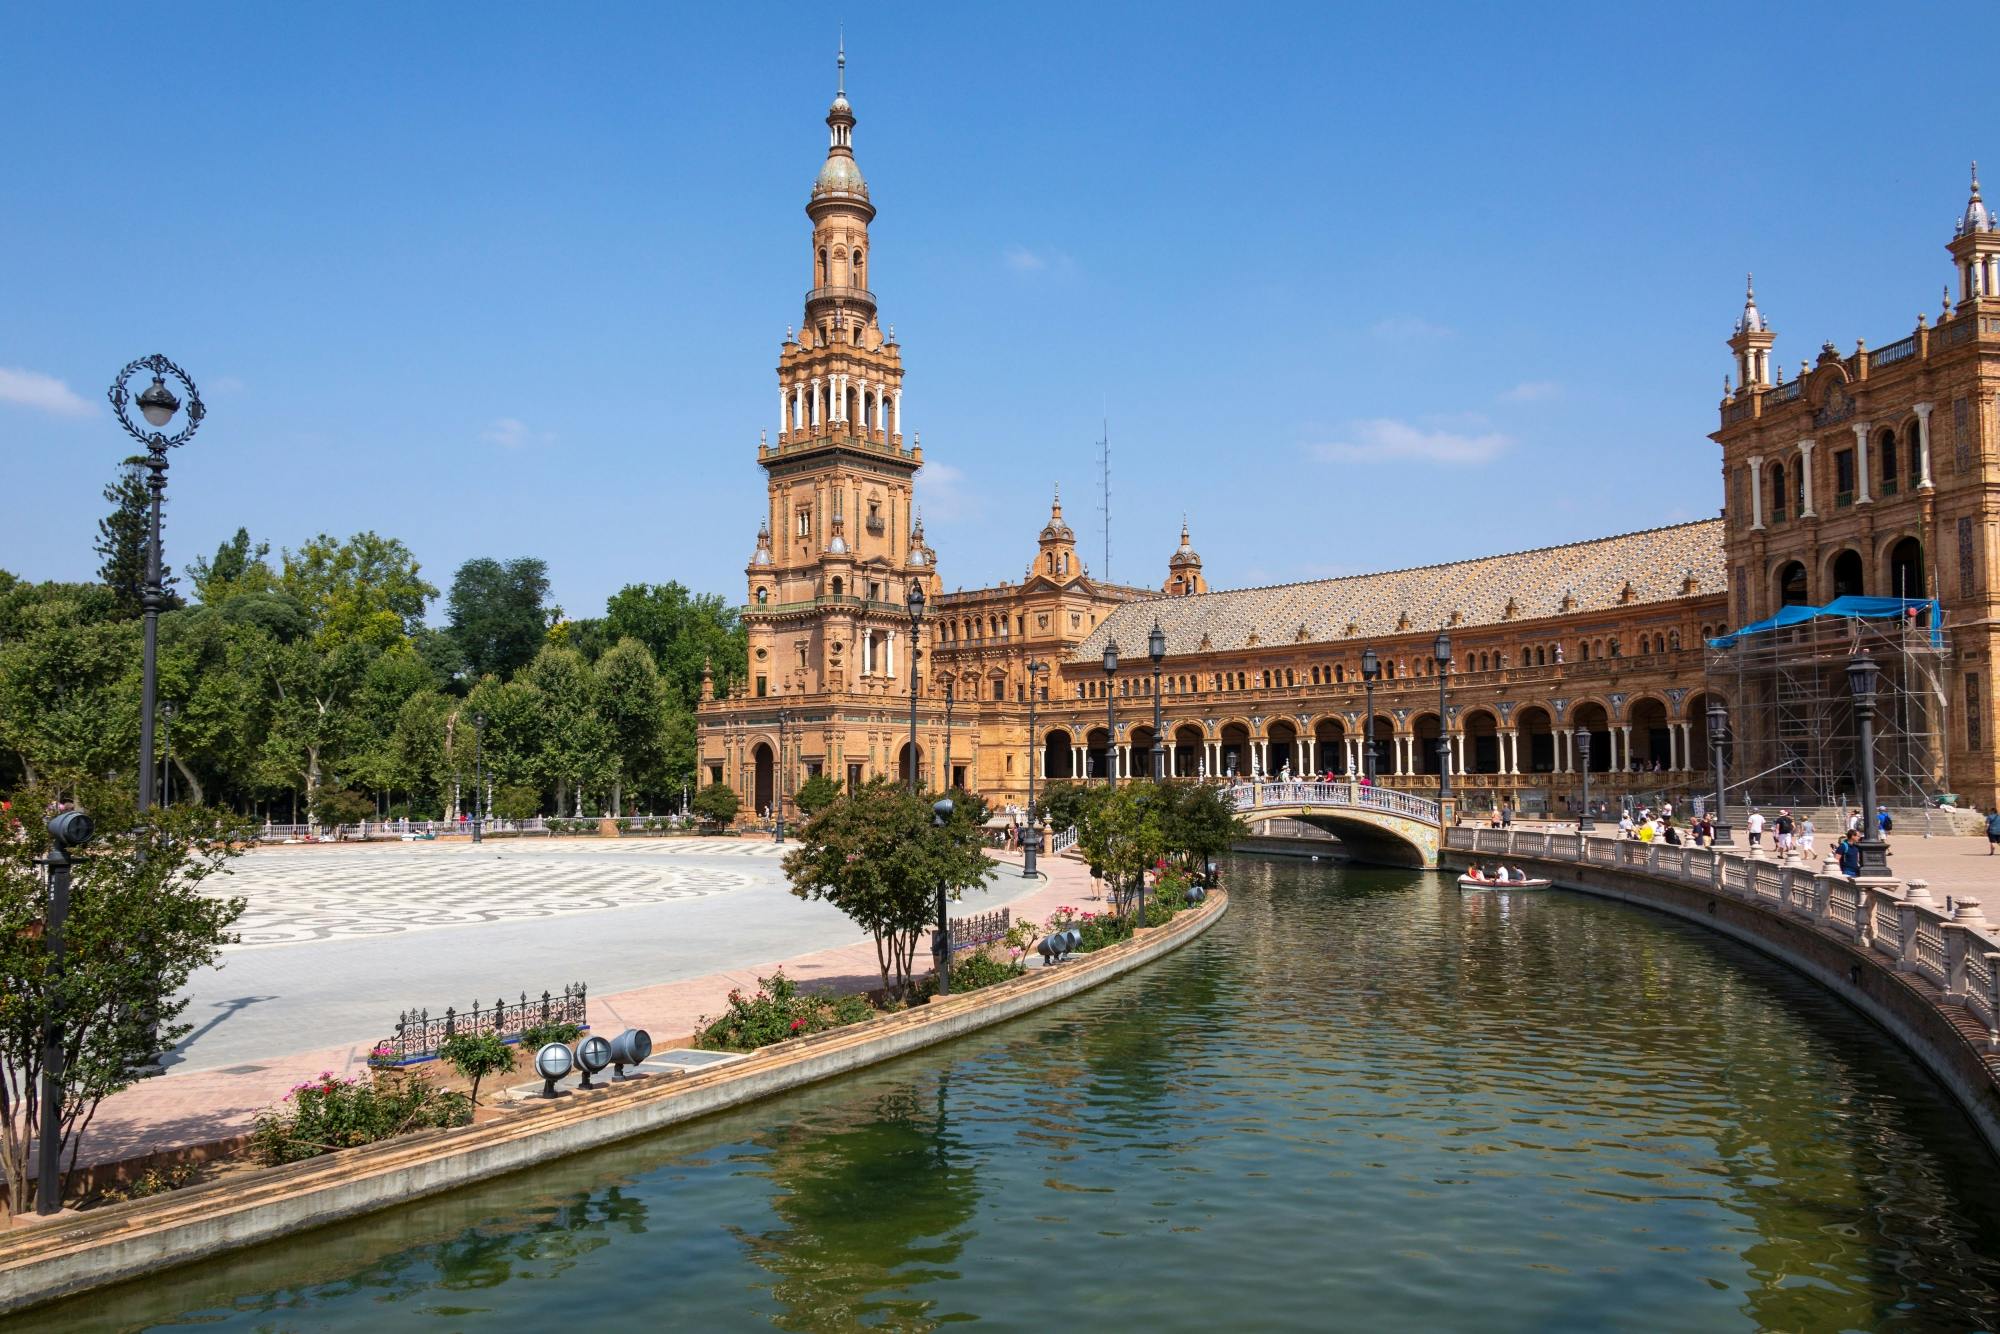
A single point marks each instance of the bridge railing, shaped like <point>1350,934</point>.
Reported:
<point>1950,945</point>
<point>1363,796</point>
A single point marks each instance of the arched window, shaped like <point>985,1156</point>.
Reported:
<point>837,585</point>
<point>822,268</point>
<point>1891,474</point>
<point>1792,591</point>
<point>860,269</point>
<point>1583,651</point>
<point>1339,672</point>
<point>1848,579</point>
<point>762,596</point>
<point>1913,455</point>
<point>1778,493</point>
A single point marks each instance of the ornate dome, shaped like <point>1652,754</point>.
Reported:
<point>1752,319</point>
<point>762,556</point>
<point>840,175</point>
<point>1056,530</point>
<point>1184,554</point>
<point>1977,217</point>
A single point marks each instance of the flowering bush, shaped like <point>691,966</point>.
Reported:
<point>1097,929</point>
<point>778,1011</point>
<point>329,1113</point>
<point>970,972</point>
<point>382,1056</point>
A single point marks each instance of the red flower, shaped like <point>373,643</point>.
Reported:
<point>798,1024</point>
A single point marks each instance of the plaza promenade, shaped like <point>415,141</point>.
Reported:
<point>338,940</point>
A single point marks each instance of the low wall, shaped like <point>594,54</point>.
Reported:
<point>1928,977</point>
<point>102,1246</point>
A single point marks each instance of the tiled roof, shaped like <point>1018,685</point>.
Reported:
<point>1594,575</point>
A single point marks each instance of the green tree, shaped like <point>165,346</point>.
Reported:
<point>1201,823</point>
<point>683,631</point>
<point>633,703</point>
<point>237,568</point>
<point>68,683</point>
<point>717,802</point>
<point>477,1055</point>
<point>878,856</point>
<point>368,589</point>
<point>141,922</point>
<point>816,794</point>
<point>496,614</point>
<point>122,537</point>
<point>333,807</point>
<point>576,753</point>
<point>1062,803</point>
<point>517,801</point>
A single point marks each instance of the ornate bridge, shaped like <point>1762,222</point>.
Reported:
<point>1379,825</point>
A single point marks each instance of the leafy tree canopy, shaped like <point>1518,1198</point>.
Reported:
<point>122,537</point>
<point>367,589</point>
<point>496,612</point>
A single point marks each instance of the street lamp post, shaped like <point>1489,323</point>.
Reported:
<point>1031,837</point>
<point>1861,675</point>
<point>1156,649</point>
<point>778,834</point>
<point>1718,738</point>
<point>1371,668</point>
<point>167,714</point>
<point>946,777</point>
<point>916,605</point>
<point>157,404</point>
<point>1110,713</point>
<point>1441,650</point>
<point>1583,820</point>
<point>478,778</point>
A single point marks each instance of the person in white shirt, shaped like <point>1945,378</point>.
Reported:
<point>1755,827</point>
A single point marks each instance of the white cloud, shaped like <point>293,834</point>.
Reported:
<point>513,433</point>
<point>943,493</point>
<point>1531,391</point>
<point>1411,329</point>
<point>1385,440</point>
<point>1023,260</point>
<point>43,393</point>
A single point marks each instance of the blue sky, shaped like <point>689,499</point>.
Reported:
<point>1358,287</point>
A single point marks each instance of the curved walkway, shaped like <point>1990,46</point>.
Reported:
<point>189,1106</point>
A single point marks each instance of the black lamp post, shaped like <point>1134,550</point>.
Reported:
<point>1861,675</point>
<point>940,817</point>
<point>1031,837</point>
<point>1371,668</point>
<point>778,834</point>
<point>1441,650</point>
<point>157,404</point>
<point>478,777</point>
<point>167,714</point>
<point>1110,713</point>
<point>1156,649</point>
<point>1583,820</point>
<point>71,829</point>
<point>1718,739</point>
<point>916,605</point>
<point>945,778</point>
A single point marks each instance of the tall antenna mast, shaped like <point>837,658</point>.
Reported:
<point>1104,506</point>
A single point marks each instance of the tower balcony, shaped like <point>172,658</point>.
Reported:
<point>837,295</point>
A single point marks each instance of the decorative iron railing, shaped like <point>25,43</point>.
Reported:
<point>1363,796</point>
<point>418,1036</point>
<point>985,929</point>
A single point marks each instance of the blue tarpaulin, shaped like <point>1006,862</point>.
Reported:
<point>1926,613</point>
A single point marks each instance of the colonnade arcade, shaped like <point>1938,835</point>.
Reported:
<point>1646,734</point>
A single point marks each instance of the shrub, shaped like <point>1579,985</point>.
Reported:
<point>717,803</point>
<point>816,794</point>
<point>541,1035</point>
<point>517,801</point>
<point>477,1055</point>
<point>777,1012</point>
<point>979,969</point>
<point>327,1113</point>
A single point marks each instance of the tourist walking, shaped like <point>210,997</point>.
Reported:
<point>1784,832</point>
<point>1992,832</point>
<point>1806,848</point>
<point>1849,853</point>
<point>1754,826</point>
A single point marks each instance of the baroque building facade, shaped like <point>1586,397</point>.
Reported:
<point>1606,638</point>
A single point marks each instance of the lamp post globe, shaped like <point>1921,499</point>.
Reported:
<point>158,406</point>
<point>1371,668</point>
<point>1110,713</point>
<point>915,602</point>
<point>1156,651</point>
<point>1862,673</point>
<point>1718,738</point>
<point>1441,651</point>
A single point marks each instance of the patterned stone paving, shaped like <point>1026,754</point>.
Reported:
<point>327,894</point>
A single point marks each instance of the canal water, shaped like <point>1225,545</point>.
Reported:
<point>1362,1101</point>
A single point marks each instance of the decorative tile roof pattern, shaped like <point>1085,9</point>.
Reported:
<point>1655,565</point>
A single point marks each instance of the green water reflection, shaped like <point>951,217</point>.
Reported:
<point>1362,1101</point>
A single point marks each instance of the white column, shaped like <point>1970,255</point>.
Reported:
<point>897,402</point>
<point>784,410</point>
<point>1625,745</point>
<point>1861,496</point>
<point>1806,510</point>
<point>812,414</point>
<point>1076,761</point>
<point>1923,411</point>
<point>891,664</point>
<point>1513,750</point>
<point>1568,749</point>
<point>1756,462</point>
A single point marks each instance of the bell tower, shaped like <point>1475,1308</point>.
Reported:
<point>1975,248</point>
<point>1752,341</point>
<point>840,546</point>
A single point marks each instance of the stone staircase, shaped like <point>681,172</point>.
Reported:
<point>1828,821</point>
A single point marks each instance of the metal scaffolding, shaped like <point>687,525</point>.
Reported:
<point>1791,711</point>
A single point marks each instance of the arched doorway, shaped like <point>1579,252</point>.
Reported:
<point>1383,734</point>
<point>1792,590</point>
<point>1424,730</point>
<point>1906,569</point>
<point>1651,742</point>
<point>1848,578</point>
<point>1141,754</point>
<point>1330,746</point>
<point>764,787</point>
<point>903,765</point>
<point>1538,741</point>
<point>1097,753</point>
<point>1698,742</point>
<point>1235,749</point>
<point>1280,751</point>
<point>1591,718</point>
<point>1058,755</point>
<point>1482,742</point>
<point>1190,751</point>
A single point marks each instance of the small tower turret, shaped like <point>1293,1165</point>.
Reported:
<point>1752,342</point>
<point>1975,247</point>
<point>1184,578</point>
<point>1057,560</point>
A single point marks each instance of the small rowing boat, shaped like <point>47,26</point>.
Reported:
<point>1471,882</point>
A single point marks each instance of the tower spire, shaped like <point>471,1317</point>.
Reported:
<point>840,67</point>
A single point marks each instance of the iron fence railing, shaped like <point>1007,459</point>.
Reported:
<point>985,929</point>
<point>419,1036</point>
